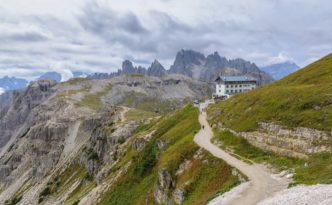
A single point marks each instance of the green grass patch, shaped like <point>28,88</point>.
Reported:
<point>177,131</point>
<point>207,178</point>
<point>13,201</point>
<point>93,101</point>
<point>75,81</point>
<point>242,147</point>
<point>157,106</point>
<point>317,170</point>
<point>138,115</point>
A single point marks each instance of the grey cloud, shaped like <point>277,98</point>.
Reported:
<point>99,37</point>
<point>109,23</point>
<point>126,29</point>
<point>28,37</point>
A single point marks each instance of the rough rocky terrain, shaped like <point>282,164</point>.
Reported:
<point>60,142</point>
<point>297,142</point>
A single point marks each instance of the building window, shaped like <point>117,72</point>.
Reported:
<point>226,86</point>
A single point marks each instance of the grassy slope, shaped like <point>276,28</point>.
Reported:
<point>138,115</point>
<point>201,181</point>
<point>301,99</point>
<point>94,101</point>
<point>141,102</point>
<point>316,170</point>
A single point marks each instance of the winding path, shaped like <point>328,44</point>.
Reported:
<point>123,113</point>
<point>262,183</point>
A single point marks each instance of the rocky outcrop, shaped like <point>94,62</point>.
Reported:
<point>164,186</point>
<point>103,146</point>
<point>297,142</point>
<point>139,144</point>
<point>13,118</point>
<point>128,68</point>
<point>5,100</point>
<point>162,145</point>
<point>179,195</point>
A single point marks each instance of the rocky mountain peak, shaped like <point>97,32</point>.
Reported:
<point>188,57</point>
<point>196,65</point>
<point>214,60</point>
<point>280,70</point>
<point>185,60</point>
<point>156,69</point>
<point>127,67</point>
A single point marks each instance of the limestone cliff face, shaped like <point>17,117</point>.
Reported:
<point>298,142</point>
<point>104,145</point>
<point>15,119</point>
<point>54,135</point>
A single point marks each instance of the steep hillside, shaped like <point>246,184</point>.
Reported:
<point>75,143</point>
<point>291,117</point>
<point>97,159</point>
<point>167,167</point>
<point>302,99</point>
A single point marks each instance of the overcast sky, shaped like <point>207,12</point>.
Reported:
<point>96,36</point>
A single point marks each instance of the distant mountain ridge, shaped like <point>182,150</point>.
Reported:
<point>195,65</point>
<point>280,70</point>
<point>52,75</point>
<point>187,62</point>
<point>12,83</point>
